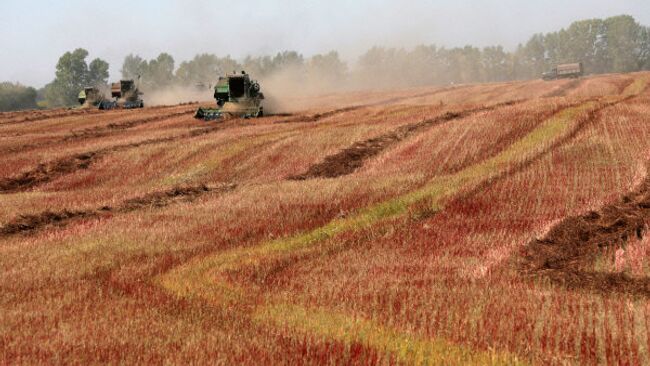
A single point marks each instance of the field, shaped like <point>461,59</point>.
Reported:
<point>471,224</point>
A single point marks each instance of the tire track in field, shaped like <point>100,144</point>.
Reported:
<point>630,92</point>
<point>206,279</point>
<point>30,223</point>
<point>564,89</point>
<point>319,116</point>
<point>98,131</point>
<point>565,254</point>
<point>348,160</point>
<point>33,116</point>
<point>48,171</point>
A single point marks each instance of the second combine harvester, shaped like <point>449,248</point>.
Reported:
<point>125,94</point>
<point>237,96</point>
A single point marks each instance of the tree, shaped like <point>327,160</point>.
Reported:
<point>97,72</point>
<point>154,74</point>
<point>260,66</point>
<point>622,42</point>
<point>133,67</point>
<point>205,69</point>
<point>494,64</point>
<point>644,49</point>
<point>159,72</point>
<point>326,71</point>
<point>15,97</point>
<point>72,75</point>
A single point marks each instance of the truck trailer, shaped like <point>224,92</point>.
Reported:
<point>564,71</point>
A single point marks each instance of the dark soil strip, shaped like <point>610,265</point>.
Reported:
<point>570,248</point>
<point>94,132</point>
<point>352,158</point>
<point>32,116</point>
<point>566,255</point>
<point>318,116</point>
<point>46,172</point>
<point>27,224</point>
<point>563,90</point>
<point>423,210</point>
<point>100,131</point>
<point>39,116</point>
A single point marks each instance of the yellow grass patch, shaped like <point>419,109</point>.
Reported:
<point>406,347</point>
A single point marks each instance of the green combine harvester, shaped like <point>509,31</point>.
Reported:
<point>237,97</point>
<point>126,95</point>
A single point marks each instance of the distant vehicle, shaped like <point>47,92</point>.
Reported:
<point>237,96</point>
<point>564,71</point>
<point>90,97</point>
<point>125,94</point>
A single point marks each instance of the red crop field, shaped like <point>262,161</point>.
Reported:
<point>474,224</point>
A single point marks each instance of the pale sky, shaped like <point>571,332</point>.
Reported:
<point>34,34</point>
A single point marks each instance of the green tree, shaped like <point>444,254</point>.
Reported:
<point>260,66</point>
<point>159,72</point>
<point>72,75</point>
<point>133,66</point>
<point>97,72</point>
<point>622,37</point>
<point>495,64</point>
<point>326,70</point>
<point>15,97</point>
<point>205,68</point>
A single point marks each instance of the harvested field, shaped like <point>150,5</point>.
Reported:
<point>499,223</point>
<point>30,223</point>
<point>568,250</point>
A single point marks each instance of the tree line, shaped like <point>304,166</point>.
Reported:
<point>616,44</point>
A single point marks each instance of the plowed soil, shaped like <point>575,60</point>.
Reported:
<point>45,172</point>
<point>29,223</point>
<point>48,171</point>
<point>350,159</point>
<point>570,248</point>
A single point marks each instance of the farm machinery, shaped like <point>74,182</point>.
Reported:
<point>125,95</point>
<point>564,71</point>
<point>90,97</point>
<point>237,96</point>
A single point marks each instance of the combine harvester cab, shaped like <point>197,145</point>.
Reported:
<point>125,94</point>
<point>237,96</point>
<point>564,71</point>
<point>90,97</point>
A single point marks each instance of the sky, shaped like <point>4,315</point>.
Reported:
<point>35,33</point>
